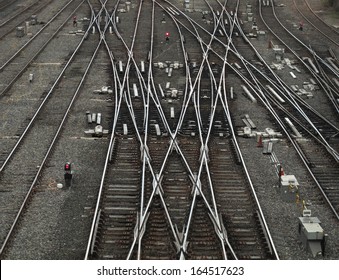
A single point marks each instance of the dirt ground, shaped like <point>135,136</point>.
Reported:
<point>327,13</point>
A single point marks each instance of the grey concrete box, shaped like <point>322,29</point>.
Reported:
<point>311,229</point>
<point>288,187</point>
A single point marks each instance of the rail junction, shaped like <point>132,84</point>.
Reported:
<point>190,130</point>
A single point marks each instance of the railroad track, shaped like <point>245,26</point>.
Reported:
<point>120,203</point>
<point>323,70</point>
<point>318,132</point>
<point>320,158</point>
<point>300,46</point>
<point>35,99</point>
<point>40,135</point>
<point>316,22</point>
<point>174,183</point>
<point>317,63</point>
<point>325,170</point>
<point>4,4</point>
<point>10,72</point>
<point>169,189</point>
<point>269,15</point>
<point>24,14</point>
<point>332,36</point>
<point>260,86</point>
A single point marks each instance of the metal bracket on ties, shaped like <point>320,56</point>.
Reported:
<point>181,245</point>
<point>143,149</point>
<point>136,228</point>
<point>218,226</point>
<point>157,184</point>
<point>204,150</point>
<point>98,217</point>
<point>196,184</point>
<point>222,233</point>
<point>139,231</point>
<point>175,145</point>
<point>112,149</point>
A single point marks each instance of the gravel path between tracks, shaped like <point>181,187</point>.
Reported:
<point>282,216</point>
<point>328,14</point>
<point>61,217</point>
<point>58,221</point>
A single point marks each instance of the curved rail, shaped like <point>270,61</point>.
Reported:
<point>268,101</point>
<point>181,241</point>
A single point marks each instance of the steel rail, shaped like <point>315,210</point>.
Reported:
<point>222,86</point>
<point>203,161</point>
<point>310,8</point>
<point>17,14</point>
<point>328,86</point>
<point>319,19</point>
<point>54,140</point>
<point>42,104</point>
<point>145,155</point>
<point>284,87</point>
<point>293,101</point>
<point>38,33</point>
<point>330,68</point>
<point>317,77</point>
<point>186,235</point>
<point>159,176</point>
<point>8,3</point>
<point>118,98</point>
<point>204,142</point>
<point>144,217</point>
<point>298,40</point>
<point>265,99</point>
<point>268,105</point>
<point>23,69</point>
<point>153,175</point>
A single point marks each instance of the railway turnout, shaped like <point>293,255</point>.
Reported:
<point>170,173</point>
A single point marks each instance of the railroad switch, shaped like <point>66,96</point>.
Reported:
<point>267,147</point>
<point>157,180</point>
<point>181,244</point>
<point>104,90</point>
<point>95,118</point>
<point>98,131</point>
<point>279,53</point>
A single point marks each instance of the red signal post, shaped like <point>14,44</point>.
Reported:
<point>67,166</point>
